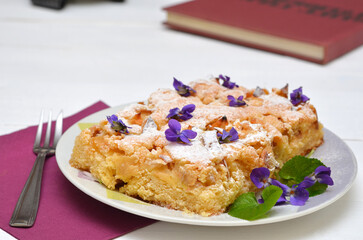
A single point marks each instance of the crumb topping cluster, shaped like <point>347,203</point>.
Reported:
<point>193,122</point>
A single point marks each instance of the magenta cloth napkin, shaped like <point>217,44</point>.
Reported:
<point>64,212</point>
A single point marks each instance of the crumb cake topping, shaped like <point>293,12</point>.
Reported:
<point>205,148</point>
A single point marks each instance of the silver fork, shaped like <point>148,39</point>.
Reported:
<point>26,208</point>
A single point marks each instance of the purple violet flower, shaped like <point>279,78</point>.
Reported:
<point>261,177</point>
<point>117,124</point>
<point>226,82</point>
<point>182,89</point>
<point>173,133</point>
<point>297,97</point>
<point>183,114</point>
<point>227,137</point>
<point>236,102</point>
<point>297,195</point>
<point>320,175</point>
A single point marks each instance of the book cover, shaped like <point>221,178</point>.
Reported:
<point>313,30</point>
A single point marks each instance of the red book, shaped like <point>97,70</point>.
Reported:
<point>314,30</point>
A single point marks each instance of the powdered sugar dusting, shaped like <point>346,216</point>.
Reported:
<point>150,126</point>
<point>203,149</point>
<point>259,134</point>
<point>162,96</point>
<point>149,133</point>
<point>211,143</point>
<point>193,153</point>
<point>274,99</point>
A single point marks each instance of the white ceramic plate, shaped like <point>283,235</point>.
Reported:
<point>334,153</point>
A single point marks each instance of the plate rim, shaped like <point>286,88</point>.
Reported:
<point>189,221</point>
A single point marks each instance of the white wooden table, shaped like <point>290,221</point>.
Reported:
<point>121,52</point>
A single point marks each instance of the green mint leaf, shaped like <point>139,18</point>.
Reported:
<point>246,206</point>
<point>316,189</point>
<point>297,168</point>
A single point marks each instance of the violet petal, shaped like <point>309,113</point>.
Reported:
<point>189,134</point>
<point>234,134</point>
<point>285,188</point>
<point>186,116</point>
<point>307,182</point>
<point>299,196</point>
<point>322,169</point>
<point>171,135</point>
<point>225,134</point>
<point>184,139</point>
<point>230,97</point>
<point>188,108</point>
<point>304,98</point>
<point>175,126</point>
<point>258,175</point>
<point>177,84</point>
<point>325,179</point>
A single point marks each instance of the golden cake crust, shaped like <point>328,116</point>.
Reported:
<point>204,177</point>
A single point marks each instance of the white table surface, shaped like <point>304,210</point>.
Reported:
<point>121,52</point>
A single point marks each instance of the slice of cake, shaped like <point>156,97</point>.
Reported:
<point>224,132</point>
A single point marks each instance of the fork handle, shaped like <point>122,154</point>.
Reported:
<point>26,208</point>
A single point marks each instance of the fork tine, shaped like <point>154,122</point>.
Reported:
<point>39,131</point>
<point>58,129</point>
<point>47,134</point>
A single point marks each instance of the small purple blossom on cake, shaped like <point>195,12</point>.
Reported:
<point>227,137</point>
<point>320,175</point>
<point>233,102</point>
<point>297,97</point>
<point>226,82</point>
<point>182,89</point>
<point>183,114</point>
<point>117,124</point>
<point>173,133</point>
<point>260,177</point>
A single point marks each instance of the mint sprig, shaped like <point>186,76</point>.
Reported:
<point>247,207</point>
<point>297,168</point>
<point>300,178</point>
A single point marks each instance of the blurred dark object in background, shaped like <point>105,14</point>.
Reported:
<point>56,4</point>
